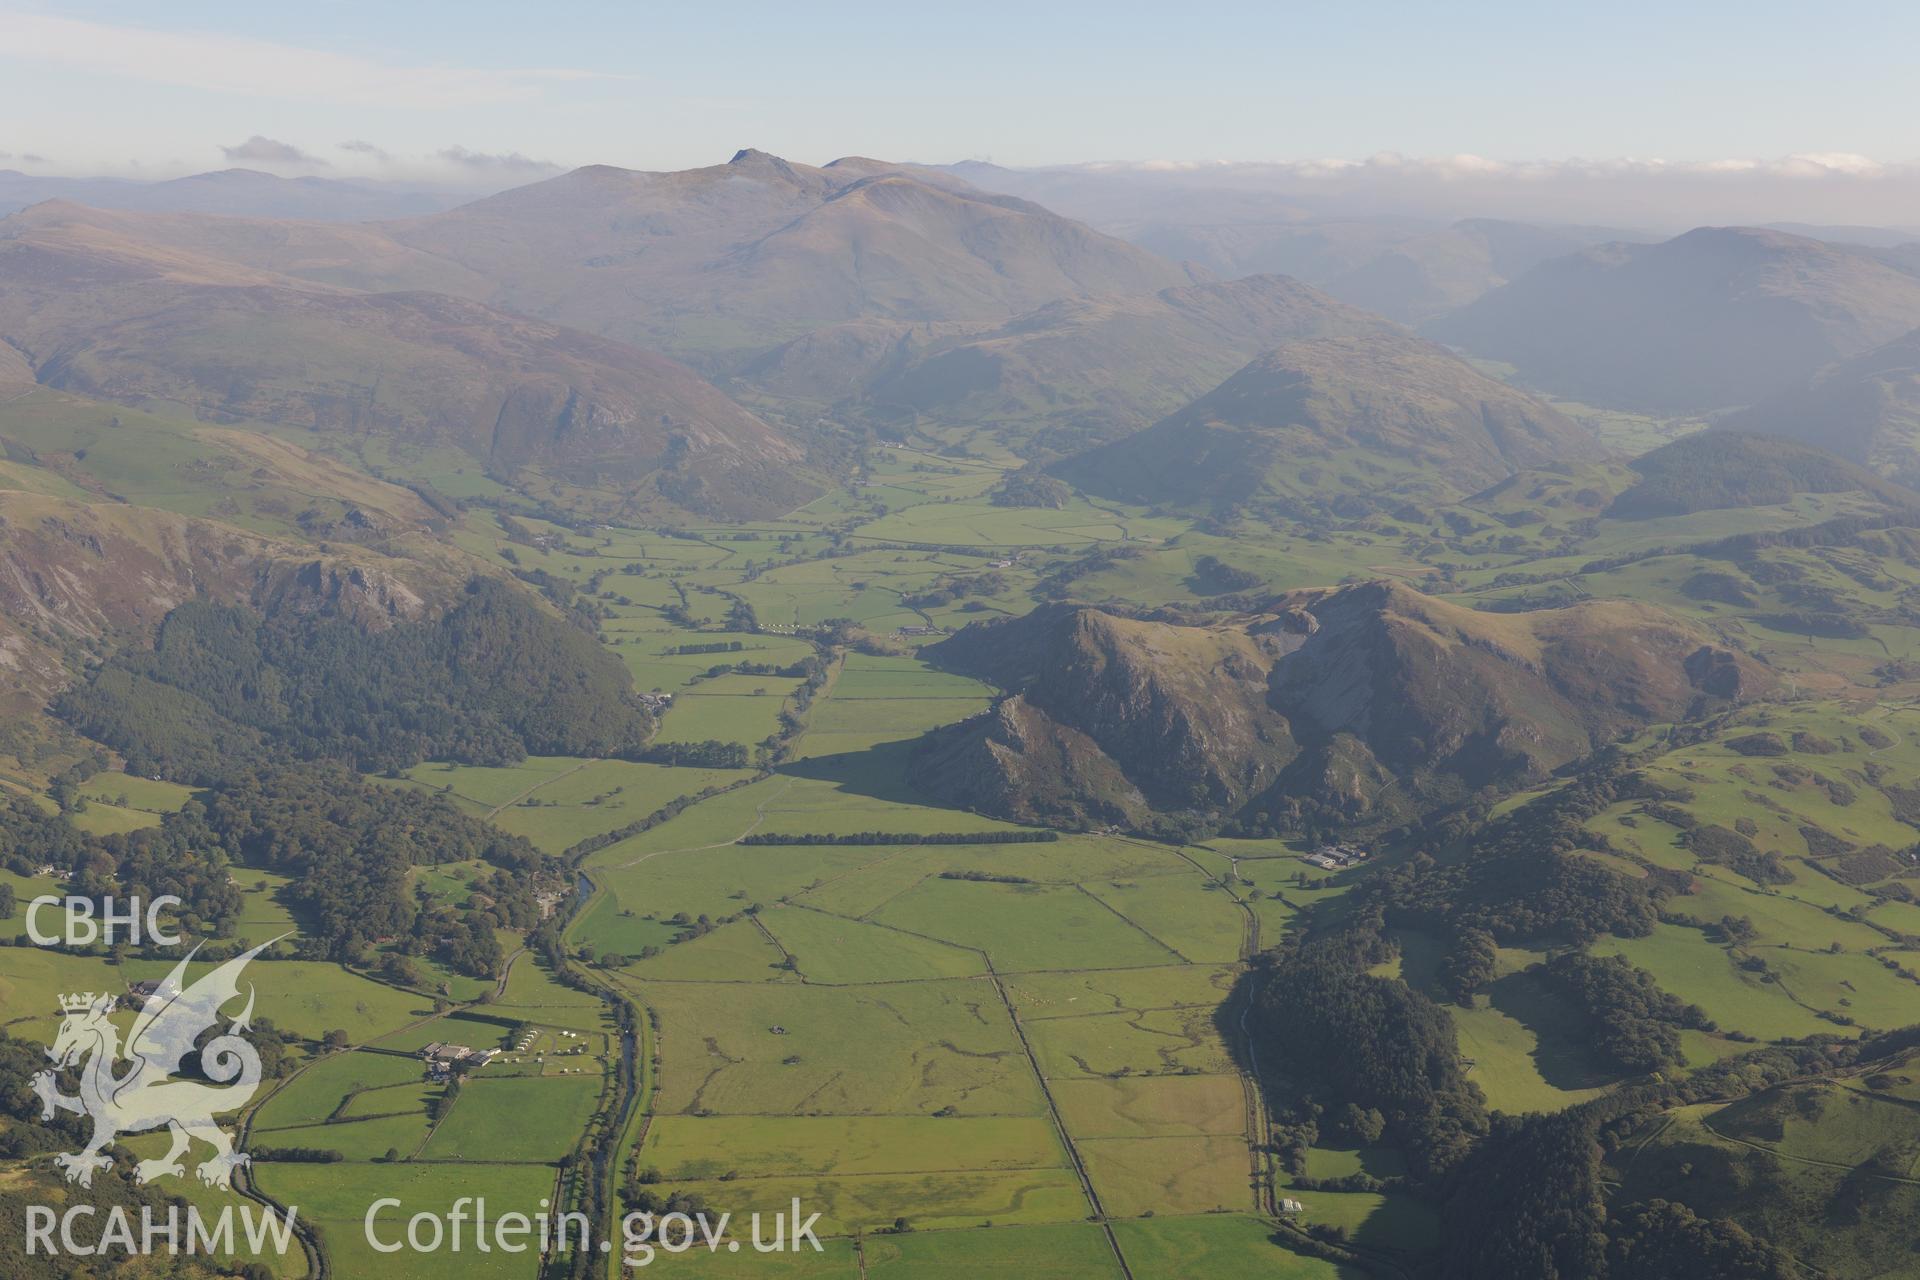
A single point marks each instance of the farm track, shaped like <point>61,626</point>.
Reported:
<point>759,817</point>
<point>501,808</point>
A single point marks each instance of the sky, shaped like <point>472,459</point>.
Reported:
<point>477,91</point>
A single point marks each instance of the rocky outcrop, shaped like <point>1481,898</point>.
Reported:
<point>1360,703</point>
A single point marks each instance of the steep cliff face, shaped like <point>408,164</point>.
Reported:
<point>1356,703</point>
<point>79,578</point>
<point>1019,762</point>
<point>1447,700</point>
<point>1179,713</point>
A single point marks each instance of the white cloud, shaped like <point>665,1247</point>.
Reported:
<point>1641,192</point>
<point>238,64</point>
<point>509,162</point>
<point>260,150</point>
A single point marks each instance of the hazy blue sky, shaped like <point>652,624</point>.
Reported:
<point>109,86</point>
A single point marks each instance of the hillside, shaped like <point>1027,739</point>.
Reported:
<point>1346,704</point>
<point>229,193</point>
<point>1720,316</point>
<point>1357,418</point>
<point>1433,274</point>
<point>1083,370</point>
<point>1109,720</point>
<point>756,251</point>
<point>1718,470</point>
<point>1866,409</point>
<point>100,315</point>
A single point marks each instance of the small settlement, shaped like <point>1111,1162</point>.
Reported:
<point>1337,857</point>
<point>443,1058</point>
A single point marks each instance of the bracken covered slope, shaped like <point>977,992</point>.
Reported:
<point>1343,705</point>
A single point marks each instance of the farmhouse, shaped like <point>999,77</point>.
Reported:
<point>1337,857</point>
<point>141,994</point>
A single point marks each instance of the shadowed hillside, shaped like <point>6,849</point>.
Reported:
<point>96,314</point>
<point>1720,316</point>
<point>1334,705</point>
<point>1070,374</point>
<point>1866,409</point>
<point>1356,418</point>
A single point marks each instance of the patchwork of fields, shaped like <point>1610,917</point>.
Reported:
<point>975,1055</point>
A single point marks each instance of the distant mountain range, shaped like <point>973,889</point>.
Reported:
<point>519,326</point>
<point>1075,372</point>
<point>714,264</point>
<point>95,312</point>
<point>232,192</point>
<point>1716,318</point>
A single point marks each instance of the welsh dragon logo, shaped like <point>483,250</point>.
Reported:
<point>143,1096</point>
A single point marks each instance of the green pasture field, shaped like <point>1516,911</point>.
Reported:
<point>981,524</point>
<point>864,890</point>
<point>25,890</point>
<point>737,952</point>
<point>449,882</point>
<point>1516,1067</point>
<point>1176,1175</point>
<point>1189,916</point>
<point>1218,1246</point>
<point>1856,986</point>
<point>1789,1194</point>
<point>1829,1124</point>
<point>311,997</point>
<point>101,819</point>
<point>840,725</point>
<point>1023,927</point>
<point>131,791</point>
<point>606,926</point>
<point>532,995</point>
<point>838,951</point>
<point>263,912</point>
<point>834,1261</point>
<point>477,1028</point>
<point>956,1198</point>
<point>746,718</point>
<point>1132,1107</point>
<point>722,879</point>
<point>909,1048</point>
<point>1685,963</point>
<point>1777,919</point>
<point>692,1148</point>
<point>1071,994</point>
<point>327,1085</point>
<point>355,1140</point>
<point>1153,1042</point>
<point>337,1200</point>
<point>516,1118</point>
<point>1069,1252</point>
<point>389,1100</point>
<point>493,788</point>
<point>1392,1220</point>
<point>603,796</point>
